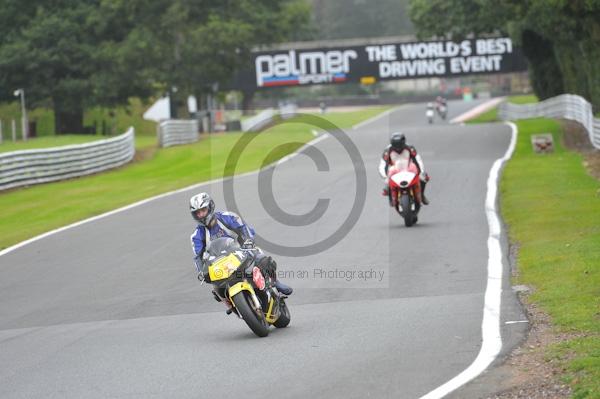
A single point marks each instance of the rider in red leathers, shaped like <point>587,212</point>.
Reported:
<point>392,152</point>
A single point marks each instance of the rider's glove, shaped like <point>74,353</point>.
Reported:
<point>248,244</point>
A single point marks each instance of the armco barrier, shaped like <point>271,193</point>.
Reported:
<point>27,167</point>
<point>175,132</point>
<point>258,121</point>
<point>265,117</point>
<point>567,106</point>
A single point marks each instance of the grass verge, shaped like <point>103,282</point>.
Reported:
<point>552,208</point>
<point>28,212</point>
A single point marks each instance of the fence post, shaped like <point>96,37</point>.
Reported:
<point>1,137</point>
<point>14,131</point>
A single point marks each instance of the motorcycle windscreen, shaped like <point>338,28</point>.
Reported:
<point>221,246</point>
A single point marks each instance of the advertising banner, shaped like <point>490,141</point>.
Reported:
<point>379,62</point>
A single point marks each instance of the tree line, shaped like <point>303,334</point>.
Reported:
<point>348,19</point>
<point>560,38</point>
<point>74,54</point>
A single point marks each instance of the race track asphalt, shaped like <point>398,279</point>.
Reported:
<point>112,308</point>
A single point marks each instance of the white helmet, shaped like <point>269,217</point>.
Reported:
<point>201,201</point>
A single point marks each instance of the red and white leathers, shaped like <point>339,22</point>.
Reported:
<point>391,155</point>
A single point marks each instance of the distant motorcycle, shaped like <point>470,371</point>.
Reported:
<point>429,114</point>
<point>442,111</point>
<point>405,189</point>
<point>236,277</point>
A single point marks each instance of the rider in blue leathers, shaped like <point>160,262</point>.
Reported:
<point>212,225</point>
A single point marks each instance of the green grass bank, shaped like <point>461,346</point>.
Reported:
<point>551,206</point>
<point>27,212</point>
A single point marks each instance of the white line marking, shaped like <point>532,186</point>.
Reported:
<point>516,321</point>
<point>480,109</point>
<point>194,186</point>
<point>490,327</point>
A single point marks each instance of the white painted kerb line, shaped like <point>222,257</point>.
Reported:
<point>206,183</point>
<point>490,327</point>
<point>478,110</point>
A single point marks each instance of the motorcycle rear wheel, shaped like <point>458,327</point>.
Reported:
<point>257,323</point>
<point>284,317</point>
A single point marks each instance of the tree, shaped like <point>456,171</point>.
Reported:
<point>198,45</point>
<point>76,54</point>
<point>558,37</point>
<point>347,19</point>
<point>57,54</point>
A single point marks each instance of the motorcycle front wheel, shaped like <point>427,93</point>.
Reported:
<point>255,319</point>
<point>407,212</point>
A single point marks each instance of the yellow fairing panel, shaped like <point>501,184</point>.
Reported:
<point>223,268</point>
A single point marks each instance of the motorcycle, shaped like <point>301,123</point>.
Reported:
<point>234,273</point>
<point>405,189</point>
<point>443,111</point>
<point>429,114</point>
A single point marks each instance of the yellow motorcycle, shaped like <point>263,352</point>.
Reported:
<point>236,276</point>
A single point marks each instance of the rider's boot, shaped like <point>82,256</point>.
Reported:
<point>424,199</point>
<point>283,288</point>
<point>225,301</point>
<point>386,191</point>
<point>269,267</point>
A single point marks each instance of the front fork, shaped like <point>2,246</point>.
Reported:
<point>414,192</point>
<point>237,289</point>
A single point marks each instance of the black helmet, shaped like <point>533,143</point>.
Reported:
<point>200,201</point>
<point>398,141</point>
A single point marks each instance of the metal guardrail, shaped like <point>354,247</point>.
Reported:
<point>287,111</point>
<point>567,106</point>
<point>259,121</point>
<point>174,132</point>
<point>265,117</point>
<point>27,167</point>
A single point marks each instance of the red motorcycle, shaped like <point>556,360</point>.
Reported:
<point>405,189</point>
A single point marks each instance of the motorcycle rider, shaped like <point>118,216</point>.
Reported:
<point>439,102</point>
<point>212,225</point>
<point>390,155</point>
<point>430,113</point>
